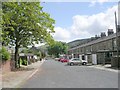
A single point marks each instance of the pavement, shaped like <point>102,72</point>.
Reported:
<point>0,78</point>
<point>14,79</point>
<point>106,67</point>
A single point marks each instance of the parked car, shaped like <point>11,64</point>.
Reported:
<point>60,59</point>
<point>76,61</point>
<point>64,60</point>
<point>56,59</point>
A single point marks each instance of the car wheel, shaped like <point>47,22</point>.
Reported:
<point>71,64</point>
<point>84,63</point>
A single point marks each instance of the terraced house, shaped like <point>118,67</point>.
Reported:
<point>101,50</point>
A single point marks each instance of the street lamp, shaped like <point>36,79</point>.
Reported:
<point>116,25</point>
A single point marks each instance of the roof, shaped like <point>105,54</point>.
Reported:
<point>98,40</point>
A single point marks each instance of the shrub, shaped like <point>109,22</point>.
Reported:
<point>5,55</point>
<point>24,62</point>
<point>21,61</point>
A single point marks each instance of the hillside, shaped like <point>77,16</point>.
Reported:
<point>78,42</point>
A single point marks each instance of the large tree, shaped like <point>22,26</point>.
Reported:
<point>25,23</point>
<point>57,48</point>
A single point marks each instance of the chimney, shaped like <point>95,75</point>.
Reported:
<point>97,36</point>
<point>110,31</point>
<point>92,38</point>
<point>103,34</point>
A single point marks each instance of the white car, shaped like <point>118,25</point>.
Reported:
<point>56,59</point>
<point>76,61</point>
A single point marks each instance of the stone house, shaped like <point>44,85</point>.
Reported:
<point>99,51</point>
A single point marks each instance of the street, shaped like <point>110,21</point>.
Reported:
<point>54,74</point>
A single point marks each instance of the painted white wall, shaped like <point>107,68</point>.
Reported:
<point>94,59</point>
<point>80,56</point>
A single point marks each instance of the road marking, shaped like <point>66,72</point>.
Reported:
<point>35,71</point>
<point>32,74</point>
<point>17,86</point>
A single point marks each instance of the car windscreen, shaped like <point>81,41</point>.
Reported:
<point>76,59</point>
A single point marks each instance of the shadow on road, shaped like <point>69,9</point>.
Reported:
<point>23,69</point>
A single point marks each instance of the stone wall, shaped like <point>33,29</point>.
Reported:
<point>114,62</point>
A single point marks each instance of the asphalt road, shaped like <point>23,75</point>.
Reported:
<point>54,74</point>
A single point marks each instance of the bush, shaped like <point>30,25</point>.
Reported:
<point>21,61</point>
<point>24,62</point>
<point>5,54</point>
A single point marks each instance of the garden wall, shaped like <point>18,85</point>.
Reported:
<point>8,66</point>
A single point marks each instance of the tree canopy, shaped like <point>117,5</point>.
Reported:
<point>57,48</point>
<point>25,23</point>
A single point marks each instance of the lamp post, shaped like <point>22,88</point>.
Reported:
<point>117,47</point>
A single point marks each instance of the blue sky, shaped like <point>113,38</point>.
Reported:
<point>80,20</point>
<point>63,12</point>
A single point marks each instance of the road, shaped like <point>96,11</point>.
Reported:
<point>54,74</point>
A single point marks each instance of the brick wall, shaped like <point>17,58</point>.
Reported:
<point>6,66</point>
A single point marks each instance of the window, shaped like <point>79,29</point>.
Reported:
<point>83,57</point>
<point>114,44</point>
<point>76,59</point>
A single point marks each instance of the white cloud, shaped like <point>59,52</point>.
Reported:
<point>61,34</point>
<point>102,1</point>
<point>93,2</point>
<point>85,26</point>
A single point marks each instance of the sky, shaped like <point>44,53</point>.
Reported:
<point>80,20</point>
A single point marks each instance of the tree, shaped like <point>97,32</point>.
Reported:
<point>26,50</point>
<point>57,48</point>
<point>25,23</point>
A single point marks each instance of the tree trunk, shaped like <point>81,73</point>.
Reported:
<point>16,55</point>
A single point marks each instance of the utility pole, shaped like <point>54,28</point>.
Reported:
<point>117,47</point>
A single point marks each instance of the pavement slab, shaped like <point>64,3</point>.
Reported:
<point>14,78</point>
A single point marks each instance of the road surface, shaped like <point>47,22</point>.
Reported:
<point>54,74</point>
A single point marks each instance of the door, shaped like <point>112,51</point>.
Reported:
<point>76,60</point>
<point>94,59</point>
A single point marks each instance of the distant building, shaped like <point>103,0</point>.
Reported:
<point>30,58</point>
